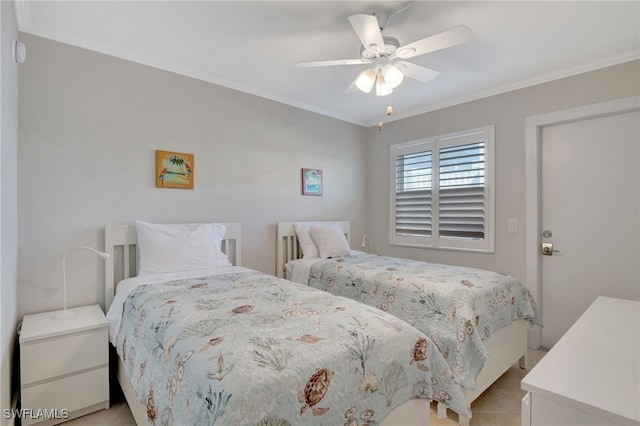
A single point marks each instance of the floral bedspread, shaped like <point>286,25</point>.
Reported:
<point>249,348</point>
<point>457,307</point>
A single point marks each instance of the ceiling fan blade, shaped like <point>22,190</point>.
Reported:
<point>416,72</point>
<point>308,64</point>
<point>449,38</point>
<point>368,30</point>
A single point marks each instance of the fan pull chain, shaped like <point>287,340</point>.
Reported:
<point>380,125</point>
<point>389,110</point>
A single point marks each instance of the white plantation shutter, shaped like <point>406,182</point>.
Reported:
<point>413,213</point>
<point>441,191</point>
<point>461,213</point>
<point>413,193</point>
<point>461,196</point>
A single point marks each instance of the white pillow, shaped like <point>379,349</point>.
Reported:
<point>330,240</point>
<point>308,247</point>
<point>179,247</point>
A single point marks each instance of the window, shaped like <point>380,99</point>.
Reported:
<point>442,191</point>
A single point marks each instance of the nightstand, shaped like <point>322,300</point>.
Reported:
<point>64,365</point>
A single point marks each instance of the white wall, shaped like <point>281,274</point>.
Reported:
<point>507,112</point>
<point>89,125</point>
<point>8,197</point>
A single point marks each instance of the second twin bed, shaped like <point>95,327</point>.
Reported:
<point>478,319</point>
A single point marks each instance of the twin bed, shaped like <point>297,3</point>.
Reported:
<point>202,340</point>
<point>478,319</point>
<point>210,342</point>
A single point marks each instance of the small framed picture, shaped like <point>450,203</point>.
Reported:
<point>311,182</point>
<point>174,170</point>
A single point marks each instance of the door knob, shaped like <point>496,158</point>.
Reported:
<point>547,249</point>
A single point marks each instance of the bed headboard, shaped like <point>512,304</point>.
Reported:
<point>120,241</point>
<point>287,247</point>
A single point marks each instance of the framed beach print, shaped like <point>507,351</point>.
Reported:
<point>311,182</point>
<point>174,170</point>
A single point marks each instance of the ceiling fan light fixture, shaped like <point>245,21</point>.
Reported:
<point>392,76</point>
<point>366,80</point>
<point>382,88</point>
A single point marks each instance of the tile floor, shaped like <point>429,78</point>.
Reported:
<point>500,404</point>
<point>497,406</point>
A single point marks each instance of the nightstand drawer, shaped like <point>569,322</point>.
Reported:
<point>68,393</point>
<point>44,359</point>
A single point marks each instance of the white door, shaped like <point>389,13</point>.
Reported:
<point>590,192</point>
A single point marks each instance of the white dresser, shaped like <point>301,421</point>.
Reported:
<point>64,365</point>
<point>591,377</point>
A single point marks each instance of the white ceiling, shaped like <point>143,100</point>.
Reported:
<point>254,46</point>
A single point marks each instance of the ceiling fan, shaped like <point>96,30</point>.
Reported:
<point>387,57</point>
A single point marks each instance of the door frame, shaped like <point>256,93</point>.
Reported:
<point>533,138</point>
